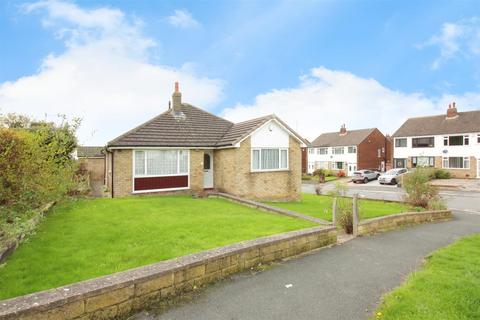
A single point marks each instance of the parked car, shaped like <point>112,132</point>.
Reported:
<point>392,176</point>
<point>365,176</point>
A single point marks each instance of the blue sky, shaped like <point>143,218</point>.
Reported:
<point>306,61</point>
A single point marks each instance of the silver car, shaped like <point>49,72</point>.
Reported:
<point>365,176</point>
<point>392,176</point>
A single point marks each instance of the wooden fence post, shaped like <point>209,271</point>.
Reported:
<point>355,214</point>
<point>334,212</point>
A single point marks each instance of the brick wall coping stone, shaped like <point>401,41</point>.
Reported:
<point>58,297</point>
<point>269,208</point>
<point>404,214</point>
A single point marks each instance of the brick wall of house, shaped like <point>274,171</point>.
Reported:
<point>122,173</point>
<point>367,154</point>
<point>457,173</point>
<point>196,170</point>
<point>388,153</point>
<point>95,168</point>
<point>232,174</point>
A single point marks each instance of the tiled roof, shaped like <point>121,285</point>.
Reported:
<point>332,139</point>
<point>465,122</point>
<point>89,152</point>
<point>195,128</point>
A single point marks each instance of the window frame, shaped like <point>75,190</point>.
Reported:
<point>431,161</point>
<point>415,145</point>
<point>145,175</point>
<point>465,140</point>
<point>342,148</point>
<point>335,167</point>
<point>259,149</point>
<point>399,144</point>
<point>354,148</point>
<point>446,163</point>
<point>322,151</point>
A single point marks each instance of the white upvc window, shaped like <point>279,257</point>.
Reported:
<point>311,150</point>
<point>456,163</point>
<point>322,150</point>
<point>269,159</point>
<point>458,140</point>
<point>158,163</point>
<point>338,150</point>
<point>478,138</point>
<point>352,149</point>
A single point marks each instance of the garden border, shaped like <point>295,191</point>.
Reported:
<point>120,294</point>
<point>395,221</point>
<point>13,242</point>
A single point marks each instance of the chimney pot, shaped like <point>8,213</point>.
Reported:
<point>343,130</point>
<point>452,111</point>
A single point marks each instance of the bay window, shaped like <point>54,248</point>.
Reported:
<point>423,162</point>
<point>269,159</point>
<point>157,163</point>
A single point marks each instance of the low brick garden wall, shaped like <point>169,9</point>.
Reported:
<point>118,295</point>
<point>395,221</point>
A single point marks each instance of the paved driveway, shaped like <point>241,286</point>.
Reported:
<point>342,282</point>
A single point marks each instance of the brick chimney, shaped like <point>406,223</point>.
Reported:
<point>176,99</point>
<point>343,130</point>
<point>452,111</point>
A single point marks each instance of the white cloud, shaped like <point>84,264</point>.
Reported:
<point>182,19</point>
<point>104,75</point>
<point>325,99</point>
<point>460,38</point>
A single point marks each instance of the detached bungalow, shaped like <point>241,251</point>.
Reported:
<point>190,150</point>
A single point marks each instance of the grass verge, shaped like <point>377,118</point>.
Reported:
<point>321,207</point>
<point>447,287</point>
<point>87,238</point>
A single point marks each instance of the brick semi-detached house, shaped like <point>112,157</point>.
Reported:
<point>186,149</point>
<point>449,141</point>
<point>348,150</point>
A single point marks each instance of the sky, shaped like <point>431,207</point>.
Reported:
<point>315,64</point>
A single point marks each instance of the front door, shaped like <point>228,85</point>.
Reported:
<point>208,170</point>
<point>352,167</point>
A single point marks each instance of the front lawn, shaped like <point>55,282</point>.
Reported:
<point>84,239</point>
<point>321,207</point>
<point>447,287</point>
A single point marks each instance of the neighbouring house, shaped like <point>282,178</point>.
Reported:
<point>187,149</point>
<point>348,151</point>
<point>449,141</point>
<point>92,160</point>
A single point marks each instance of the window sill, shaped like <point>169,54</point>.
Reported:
<point>271,170</point>
<point>160,190</point>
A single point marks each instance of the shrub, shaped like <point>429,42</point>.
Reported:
<point>344,207</point>
<point>418,190</point>
<point>441,174</point>
<point>321,175</point>
<point>329,173</point>
<point>306,177</point>
<point>341,174</point>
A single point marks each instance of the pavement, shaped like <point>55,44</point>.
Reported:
<point>342,282</point>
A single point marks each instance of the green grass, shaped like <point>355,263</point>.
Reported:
<point>331,178</point>
<point>321,207</point>
<point>447,287</point>
<point>84,239</point>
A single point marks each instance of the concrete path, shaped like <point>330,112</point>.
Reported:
<point>342,282</point>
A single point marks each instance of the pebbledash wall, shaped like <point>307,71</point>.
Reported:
<point>232,173</point>
<point>119,295</point>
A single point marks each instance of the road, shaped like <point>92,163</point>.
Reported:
<point>342,282</point>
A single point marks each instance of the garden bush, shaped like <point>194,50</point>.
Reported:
<point>441,174</point>
<point>341,174</point>
<point>36,166</point>
<point>418,190</point>
<point>320,173</point>
<point>344,213</point>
